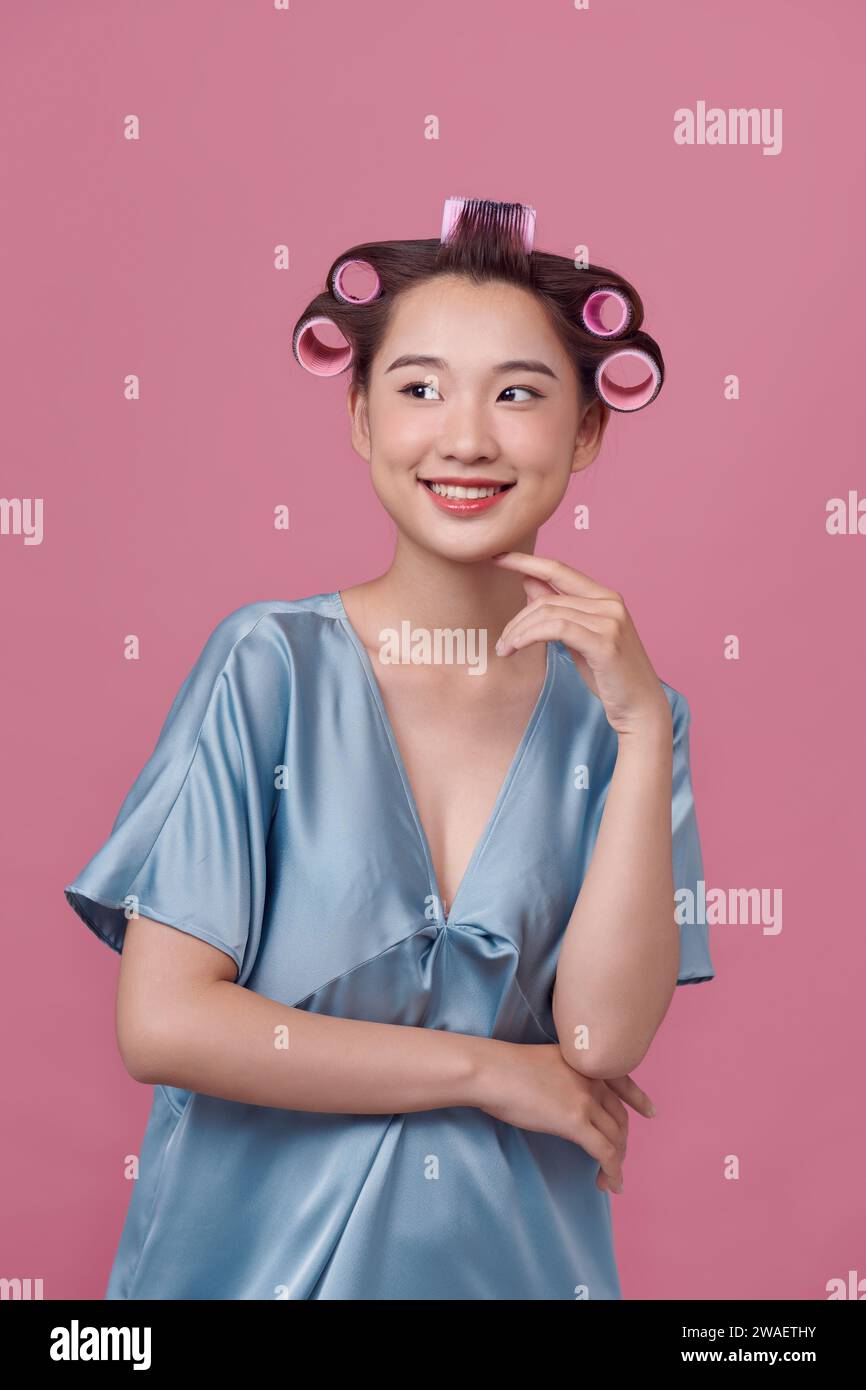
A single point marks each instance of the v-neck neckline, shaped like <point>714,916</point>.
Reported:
<point>517,759</point>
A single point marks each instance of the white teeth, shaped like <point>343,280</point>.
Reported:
<point>452,490</point>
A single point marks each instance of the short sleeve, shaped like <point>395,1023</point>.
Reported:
<point>689,888</point>
<point>189,844</point>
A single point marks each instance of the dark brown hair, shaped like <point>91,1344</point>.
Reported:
<point>484,245</point>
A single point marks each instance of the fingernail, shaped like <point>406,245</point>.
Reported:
<point>652,1109</point>
<point>500,647</point>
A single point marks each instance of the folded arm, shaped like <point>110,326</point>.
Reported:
<point>183,1021</point>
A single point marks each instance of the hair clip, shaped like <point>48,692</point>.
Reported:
<point>625,398</point>
<point>519,216</point>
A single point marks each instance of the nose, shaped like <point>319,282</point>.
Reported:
<point>466,433</point>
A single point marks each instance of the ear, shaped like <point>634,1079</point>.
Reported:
<point>590,435</point>
<point>356,403</point>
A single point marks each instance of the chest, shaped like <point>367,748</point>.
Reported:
<point>458,741</point>
<point>400,792</point>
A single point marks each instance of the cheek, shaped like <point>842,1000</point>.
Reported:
<point>403,434</point>
<point>538,436</point>
<point>545,477</point>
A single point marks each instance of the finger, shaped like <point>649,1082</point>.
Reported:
<point>604,1120</point>
<point>585,636</point>
<point>578,640</point>
<point>614,1106</point>
<point>599,1147</point>
<point>602,1181</point>
<point>591,606</point>
<point>555,572</point>
<point>631,1093</point>
<point>536,588</point>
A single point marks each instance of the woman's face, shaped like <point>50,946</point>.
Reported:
<point>496,401</point>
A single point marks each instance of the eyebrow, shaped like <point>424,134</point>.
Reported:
<point>515,364</point>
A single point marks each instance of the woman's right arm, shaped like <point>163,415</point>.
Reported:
<point>182,1021</point>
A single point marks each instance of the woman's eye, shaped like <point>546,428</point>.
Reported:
<point>418,386</point>
<point>427,386</point>
<point>528,389</point>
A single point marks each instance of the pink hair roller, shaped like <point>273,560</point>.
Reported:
<point>627,397</point>
<point>321,358</point>
<point>317,357</point>
<point>591,312</point>
<point>520,215</point>
<point>339,290</point>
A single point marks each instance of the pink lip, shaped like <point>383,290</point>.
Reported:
<point>465,506</point>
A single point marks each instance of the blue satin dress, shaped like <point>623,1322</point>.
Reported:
<point>275,820</point>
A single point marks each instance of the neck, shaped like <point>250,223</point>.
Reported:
<point>432,591</point>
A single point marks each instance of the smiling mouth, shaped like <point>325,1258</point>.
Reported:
<point>468,491</point>
<point>459,499</point>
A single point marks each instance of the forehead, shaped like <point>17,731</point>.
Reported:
<point>450,312</point>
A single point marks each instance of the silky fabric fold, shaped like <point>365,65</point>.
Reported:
<point>274,820</point>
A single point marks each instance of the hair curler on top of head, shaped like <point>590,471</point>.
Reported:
<point>486,240</point>
<point>478,216</point>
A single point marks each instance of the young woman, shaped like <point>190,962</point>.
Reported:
<point>396,902</point>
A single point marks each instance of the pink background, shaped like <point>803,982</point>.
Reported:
<point>306,127</point>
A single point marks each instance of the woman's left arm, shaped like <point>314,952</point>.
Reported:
<point>618,962</point>
<point>619,958</point>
